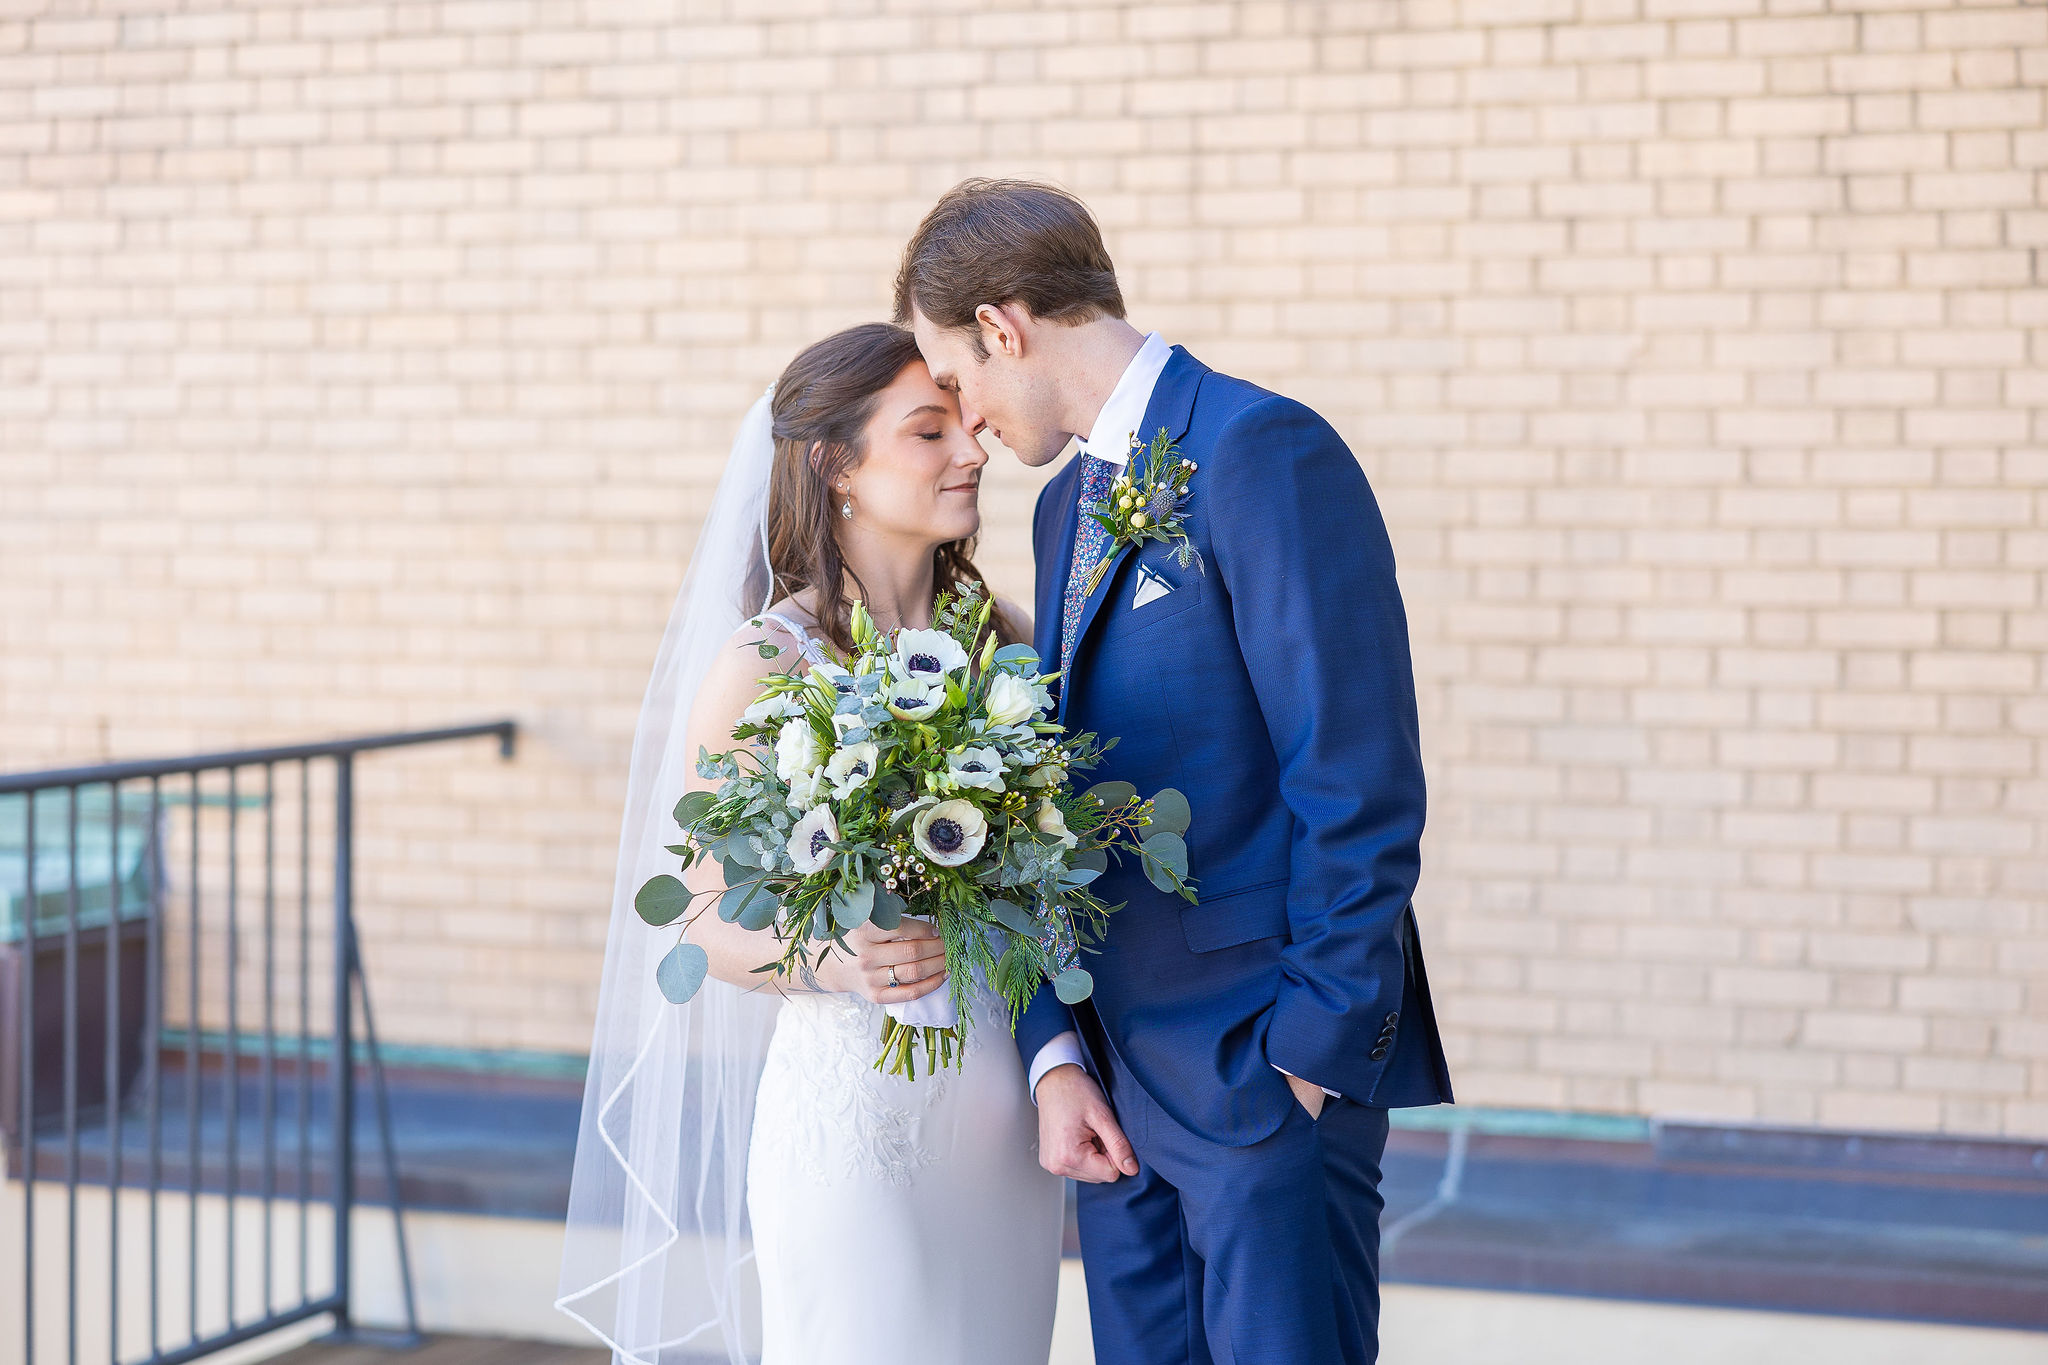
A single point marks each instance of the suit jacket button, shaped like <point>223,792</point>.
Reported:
<point>1393,1018</point>
<point>1378,1052</point>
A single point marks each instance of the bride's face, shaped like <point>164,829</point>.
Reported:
<point>921,477</point>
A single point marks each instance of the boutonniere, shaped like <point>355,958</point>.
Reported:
<point>1152,505</point>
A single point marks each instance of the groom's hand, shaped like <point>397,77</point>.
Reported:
<point>1078,1135</point>
<point>1312,1096</point>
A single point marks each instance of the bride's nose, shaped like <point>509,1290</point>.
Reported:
<point>970,453</point>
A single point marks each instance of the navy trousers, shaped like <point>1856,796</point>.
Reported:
<point>1214,1255</point>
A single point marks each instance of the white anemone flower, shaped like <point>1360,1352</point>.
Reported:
<point>976,768</point>
<point>772,708</point>
<point>913,698</point>
<point>797,749</point>
<point>1050,819</point>
<point>1045,775</point>
<point>928,655</point>
<point>1013,701</point>
<point>950,833</point>
<point>852,768</point>
<point>810,843</point>
<point>806,789</point>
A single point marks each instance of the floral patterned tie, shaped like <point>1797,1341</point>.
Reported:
<point>1089,542</point>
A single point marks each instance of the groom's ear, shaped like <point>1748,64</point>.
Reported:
<point>1003,327</point>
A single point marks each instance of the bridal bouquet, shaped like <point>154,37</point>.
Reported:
<point>921,776</point>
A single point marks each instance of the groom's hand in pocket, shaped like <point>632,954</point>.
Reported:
<point>1311,1097</point>
<point>1078,1134</point>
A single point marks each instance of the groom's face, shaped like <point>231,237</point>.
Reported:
<point>996,390</point>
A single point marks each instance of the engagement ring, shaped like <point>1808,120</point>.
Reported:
<point>893,982</point>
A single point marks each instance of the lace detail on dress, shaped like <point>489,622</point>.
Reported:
<point>808,647</point>
<point>837,1122</point>
<point>837,1116</point>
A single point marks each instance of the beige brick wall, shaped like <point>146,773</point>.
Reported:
<point>367,365</point>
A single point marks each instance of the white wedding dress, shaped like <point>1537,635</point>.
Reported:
<point>898,1222</point>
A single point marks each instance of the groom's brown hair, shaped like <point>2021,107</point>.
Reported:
<point>1006,241</point>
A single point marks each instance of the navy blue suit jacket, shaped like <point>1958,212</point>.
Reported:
<point>1273,686</point>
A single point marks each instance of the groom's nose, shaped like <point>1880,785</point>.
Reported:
<point>971,419</point>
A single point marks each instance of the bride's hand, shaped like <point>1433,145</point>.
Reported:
<point>913,950</point>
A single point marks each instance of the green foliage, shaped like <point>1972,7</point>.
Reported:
<point>1073,986</point>
<point>664,900</point>
<point>1170,811</point>
<point>680,973</point>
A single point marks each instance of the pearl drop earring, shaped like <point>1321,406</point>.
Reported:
<point>846,509</point>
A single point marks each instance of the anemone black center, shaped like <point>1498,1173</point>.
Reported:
<point>924,663</point>
<point>910,703</point>
<point>974,766</point>
<point>860,769</point>
<point>819,839</point>
<point>946,835</point>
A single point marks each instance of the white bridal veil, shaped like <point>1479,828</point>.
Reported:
<point>659,1256</point>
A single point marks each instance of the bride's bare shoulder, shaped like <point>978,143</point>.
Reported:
<point>758,650</point>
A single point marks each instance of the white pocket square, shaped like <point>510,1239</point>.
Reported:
<point>1151,587</point>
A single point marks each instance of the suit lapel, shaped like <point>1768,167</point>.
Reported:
<point>1172,406</point>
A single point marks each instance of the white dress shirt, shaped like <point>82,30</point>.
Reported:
<point>1110,439</point>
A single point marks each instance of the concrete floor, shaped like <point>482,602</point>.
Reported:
<point>1423,1326</point>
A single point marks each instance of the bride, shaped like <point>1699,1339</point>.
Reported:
<point>747,1185</point>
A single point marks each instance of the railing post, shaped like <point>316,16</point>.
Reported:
<point>344,1031</point>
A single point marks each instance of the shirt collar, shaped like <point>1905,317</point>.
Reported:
<point>1110,438</point>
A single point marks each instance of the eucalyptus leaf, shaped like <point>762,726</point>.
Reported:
<point>1112,794</point>
<point>681,972</point>
<point>662,901</point>
<point>1165,852</point>
<point>851,908</point>
<point>1094,859</point>
<point>889,908</point>
<point>848,705</point>
<point>1016,654</point>
<point>1079,876</point>
<point>693,807</point>
<point>1013,917</point>
<point>759,913</point>
<point>735,900</point>
<point>1073,986</point>
<point>1171,812</point>
<point>737,848</point>
<point>735,874</point>
<point>680,850</point>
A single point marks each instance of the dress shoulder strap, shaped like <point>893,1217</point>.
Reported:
<point>806,646</point>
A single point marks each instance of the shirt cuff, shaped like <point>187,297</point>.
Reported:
<point>1059,1050</point>
<point>1281,1069</point>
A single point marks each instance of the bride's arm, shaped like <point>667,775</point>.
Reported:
<point>914,951</point>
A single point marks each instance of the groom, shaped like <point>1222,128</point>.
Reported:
<point>1224,1094</point>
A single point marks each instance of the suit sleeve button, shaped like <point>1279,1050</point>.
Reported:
<point>1393,1018</point>
<point>1377,1053</point>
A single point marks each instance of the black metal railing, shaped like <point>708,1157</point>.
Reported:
<point>169,1031</point>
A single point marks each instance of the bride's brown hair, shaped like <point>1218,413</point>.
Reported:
<point>820,411</point>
